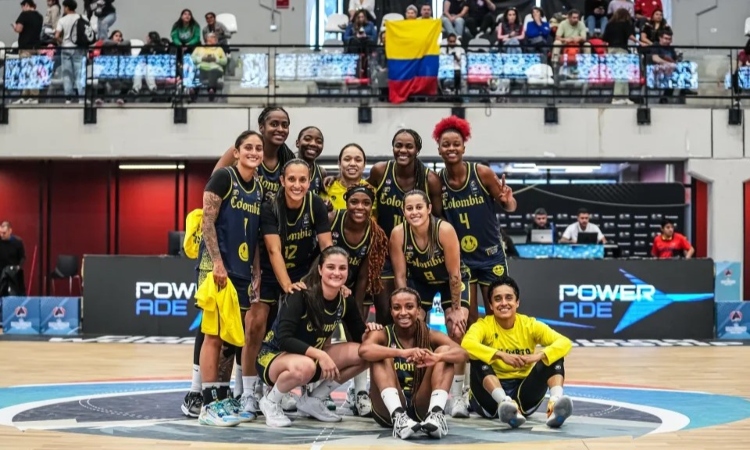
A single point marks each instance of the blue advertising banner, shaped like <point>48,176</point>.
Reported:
<point>60,316</point>
<point>728,285</point>
<point>732,320</point>
<point>21,315</point>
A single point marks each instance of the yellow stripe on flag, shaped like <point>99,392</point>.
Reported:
<point>412,39</point>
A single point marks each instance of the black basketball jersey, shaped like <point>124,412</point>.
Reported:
<point>421,266</point>
<point>306,332</point>
<point>270,178</point>
<point>404,370</point>
<point>357,250</point>
<point>471,211</point>
<point>390,199</point>
<point>316,179</point>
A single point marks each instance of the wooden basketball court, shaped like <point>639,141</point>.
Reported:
<point>716,370</point>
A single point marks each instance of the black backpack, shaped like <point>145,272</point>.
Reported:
<point>82,34</point>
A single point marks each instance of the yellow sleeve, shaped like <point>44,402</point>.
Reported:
<point>473,343</point>
<point>555,345</point>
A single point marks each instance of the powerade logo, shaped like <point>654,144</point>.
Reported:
<point>165,299</point>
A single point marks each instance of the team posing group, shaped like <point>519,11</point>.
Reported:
<point>307,253</point>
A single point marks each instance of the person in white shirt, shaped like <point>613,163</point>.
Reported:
<point>71,56</point>
<point>356,5</point>
<point>582,226</point>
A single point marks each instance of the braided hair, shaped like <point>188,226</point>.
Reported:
<point>420,170</point>
<point>378,251</point>
<point>285,154</point>
<point>433,238</point>
<point>279,201</point>
<point>421,335</point>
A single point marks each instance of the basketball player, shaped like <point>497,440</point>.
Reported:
<point>427,249</point>
<point>352,161</point>
<point>295,353</point>
<point>393,179</point>
<point>231,226</point>
<point>412,370</point>
<point>295,227</point>
<point>309,146</point>
<point>509,374</point>
<point>469,193</point>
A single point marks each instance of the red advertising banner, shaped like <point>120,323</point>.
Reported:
<point>282,4</point>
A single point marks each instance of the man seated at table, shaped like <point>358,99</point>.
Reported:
<point>540,222</point>
<point>670,244</point>
<point>582,226</point>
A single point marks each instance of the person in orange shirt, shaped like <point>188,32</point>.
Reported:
<point>670,244</point>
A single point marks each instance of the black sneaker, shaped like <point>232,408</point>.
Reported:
<point>192,404</point>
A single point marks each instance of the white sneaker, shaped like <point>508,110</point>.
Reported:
<point>32,101</point>
<point>403,426</point>
<point>233,407</point>
<point>214,414</point>
<point>363,404</point>
<point>435,425</point>
<point>249,403</point>
<point>275,416</point>
<point>316,408</point>
<point>20,101</point>
<point>458,407</point>
<point>509,413</point>
<point>349,407</point>
<point>558,410</point>
<point>289,402</point>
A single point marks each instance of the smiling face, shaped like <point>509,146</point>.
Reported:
<point>275,129</point>
<point>296,182</point>
<point>405,309</point>
<point>416,210</point>
<point>250,152</point>
<point>310,144</point>
<point>359,207</point>
<point>504,302</point>
<point>333,271</point>
<point>352,163</point>
<point>451,147</point>
<point>404,149</point>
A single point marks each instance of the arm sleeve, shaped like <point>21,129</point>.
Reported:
<point>353,320</point>
<point>269,223</point>
<point>320,216</point>
<point>473,343</point>
<point>176,36</point>
<point>290,316</point>
<point>555,345</point>
<point>219,183</point>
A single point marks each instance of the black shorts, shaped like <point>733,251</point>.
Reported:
<point>387,422</point>
<point>266,356</point>
<point>387,273</point>
<point>528,392</point>
<point>270,292</point>
<point>487,274</point>
<point>427,292</point>
<point>243,287</point>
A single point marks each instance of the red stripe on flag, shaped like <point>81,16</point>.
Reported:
<point>399,91</point>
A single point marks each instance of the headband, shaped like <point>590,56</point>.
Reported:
<point>358,189</point>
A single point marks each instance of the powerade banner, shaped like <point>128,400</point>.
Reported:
<point>146,295</point>
<point>733,320</point>
<point>619,299</point>
<point>21,315</point>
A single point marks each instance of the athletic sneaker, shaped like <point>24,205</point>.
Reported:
<point>558,410</point>
<point>289,402</point>
<point>435,424</point>
<point>458,407</point>
<point>315,407</point>
<point>235,408</point>
<point>249,403</point>
<point>403,426</point>
<point>349,407</point>
<point>192,404</point>
<point>275,416</point>
<point>363,404</point>
<point>215,414</point>
<point>510,414</point>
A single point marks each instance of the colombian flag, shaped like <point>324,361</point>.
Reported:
<point>413,53</point>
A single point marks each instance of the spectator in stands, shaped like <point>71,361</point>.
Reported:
<point>210,61</point>
<point>360,33</point>
<point>670,244</point>
<point>144,70</point>
<point>596,16</point>
<point>743,60</point>
<point>651,29</point>
<point>452,48</point>
<point>625,4</point>
<point>454,17</point>
<point>665,58</point>
<point>29,28</point>
<point>537,32</point>
<point>186,32</point>
<point>619,34</point>
<point>481,17</point>
<point>644,10</point>
<point>541,222</point>
<point>217,28</point>
<point>425,12</point>
<point>71,56</point>
<point>106,17</point>
<point>50,20</point>
<point>12,257</point>
<point>116,45</point>
<point>571,33</point>
<point>582,226</point>
<point>510,32</point>
<point>411,12</point>
<point>357,5</point>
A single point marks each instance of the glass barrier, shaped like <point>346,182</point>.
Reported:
<point>478,74</point>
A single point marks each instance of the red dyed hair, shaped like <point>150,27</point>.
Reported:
<point>452,123</point>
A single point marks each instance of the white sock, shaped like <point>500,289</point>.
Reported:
<point>438,399</point>
<point>555,392</point>
<point>360,382</point>
<point>457,386</point>
<point>275,396</point>
<point>238,387</point>
<point>467,375</point>
<point>248,384</point>
<point>498,395</point>
<point>324,389</point>
<point>195,384</point>
<point>391,399</point>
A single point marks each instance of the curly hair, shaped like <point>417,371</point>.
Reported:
<point>378,251</point>
<point>452,123</point>
<point>421,337</point>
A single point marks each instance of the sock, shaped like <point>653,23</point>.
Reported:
<point>457,386</point>
<point>223,390</point>
<point>391,400</point>
<point>438,399</point>
<point>238,387</point>
<point>275,396</point>
<point>195,385</point>
<point>360,382</point>
<point>324,389</point>
<point>555,392</point>
<point>248,384</point>
<point>467,376</point>
<point>210,392</point>
<point>498,395</point>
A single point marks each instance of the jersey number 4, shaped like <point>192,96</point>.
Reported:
<point>464,219</point>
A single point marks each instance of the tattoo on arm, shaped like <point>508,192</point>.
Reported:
<point>211,204</point>
<point>455,285</point>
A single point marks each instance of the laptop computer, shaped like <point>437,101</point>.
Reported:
<point>541,236</point>
<point>587,238</point>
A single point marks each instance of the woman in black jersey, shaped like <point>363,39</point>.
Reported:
<point>392,180</point>
<point>412,370</point>
<point>295,351</point>
<point>309,146</point>
<point>295,228</point>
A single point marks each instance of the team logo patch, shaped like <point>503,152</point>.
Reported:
<point>469,243</point>
<point>499,270</point>
<point>244,252</point>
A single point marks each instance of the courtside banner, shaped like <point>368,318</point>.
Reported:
<point>619,299</point>
<point>140,295</point>
<point>733,320</point>
<point>60,316</point>
<point>21,315</point>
